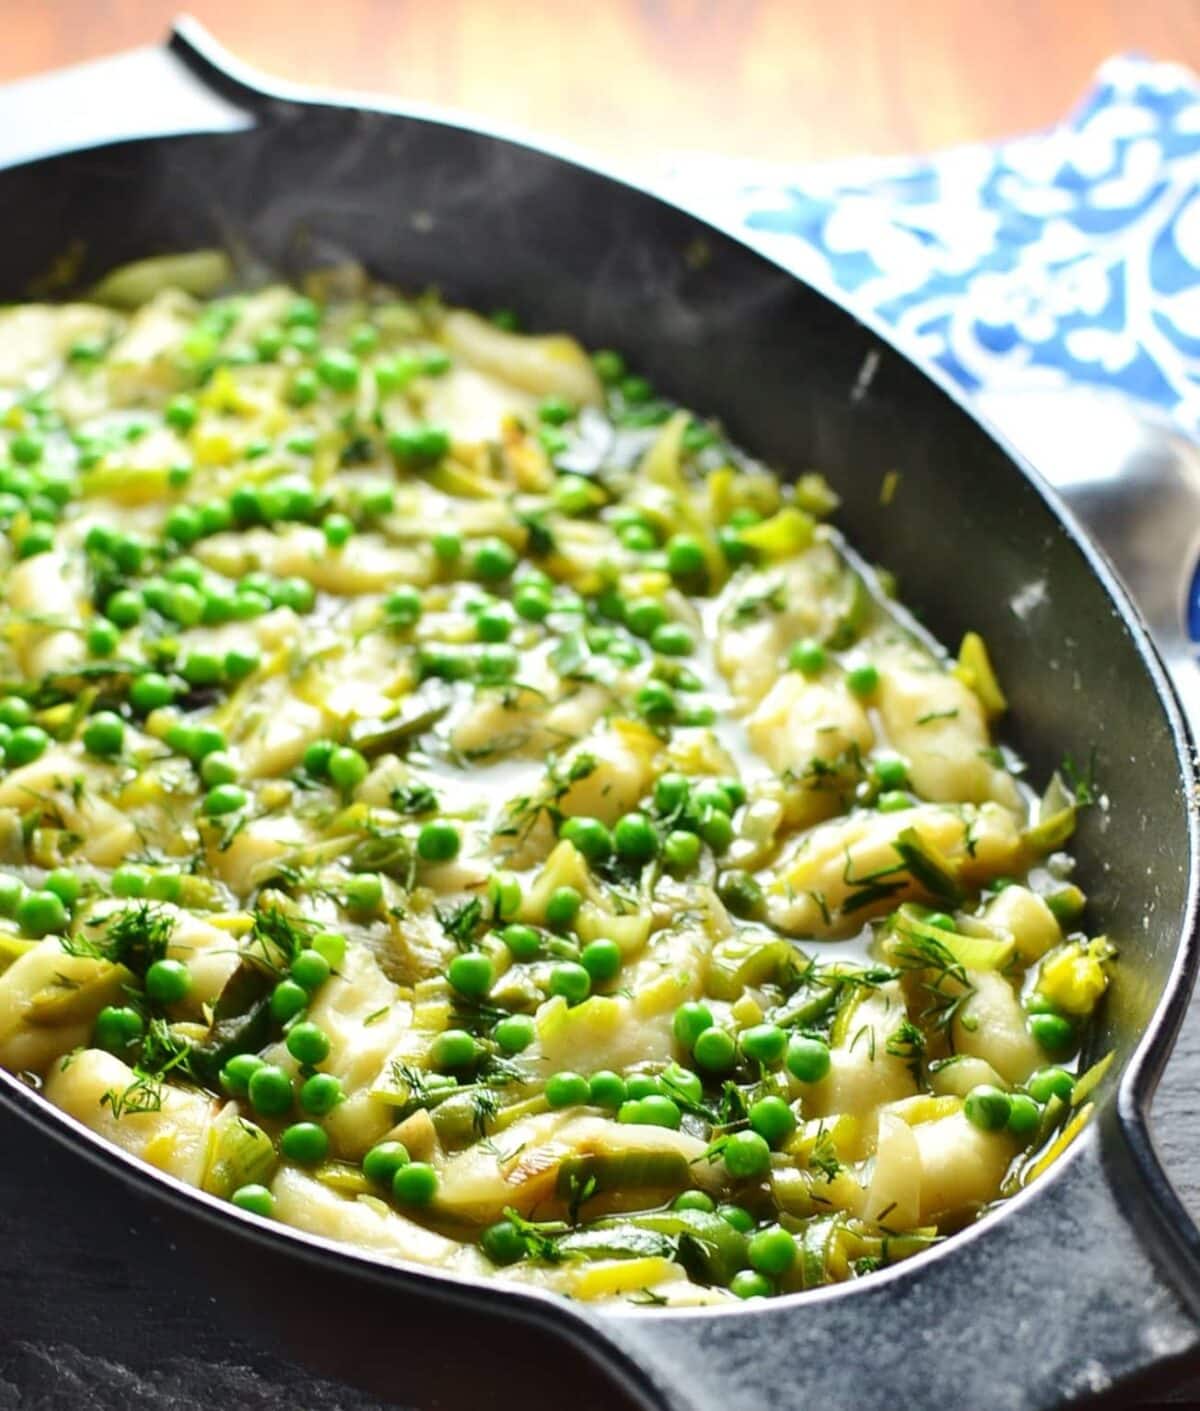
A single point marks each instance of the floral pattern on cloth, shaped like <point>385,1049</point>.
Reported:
<point>1069,257</point>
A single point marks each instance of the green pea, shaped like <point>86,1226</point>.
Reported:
<point>644,616</point>
<point>694,1200</point>
<point>237,1072</point>
<point>522,941</point>
<point>27,447</point>
<point>256,1199</point>
<point>204,740</point>
<point>447,546</point>
<point>1024,1115</point>
<point>117,1026</point>
<point>164,886</point>
<point>602,960</point>
<point>268,344</point>
<point>337,529</point>
<point>102,638</point>
<point>317,757</point>
<point>691,1020</point>
<point>673,639</point>
<point>571,980</point>
<point>942,920</point>
<point>303,387</point>
<point>746,1156</point>
<point>638,538</point>
<point>494,559</point>
<point>381,1163</point>
<point>302,312</point>
<point>771,1251</point>
<point>656,701</point>
<point>15,711</point>
<point>65,885</point>
<point>808,657</point>
<point>894,801</point>
<point>129,882</point>
<point>338,369</point>
<point>270,1090</point>
<point>574,495</point>
<point>295,593</point>
<point>305,1143</point>
<point>453,1048</point>
<point>37,540</point>
<point>636,389</point>
<point>763,1043</point>
<point>566,1090</point>
<point>890,769</point>
<point>808,1059</point>
<point>515,1033</point>
<point>589,836</point>
<point>287,1000</point>
<point>562,907</point>
<point>503,1243</point>
<point>321,1094</point>
<point>659,1111</point>
<point>634,838</point>
<point>309,969</point>
<point>415,1184</point>
<point>225,799</point>
<point>168,981</point>
<point>419,445</point>
<point>1051,1082</point>
<point>104,734</point>
<point>239,664</point>
<point>863,680</point>
<point>493,625</point>
<point>438,841</point>
<point>772,1119</point>
<point>124,608</point>
<point>987,1107</point>
<point>606,1089</point>
<point>347,768</point>
<point>449,664</point>
<point>1053,1032</point>
<point>630,1111</point>
<point>681,850</point>
<point>308,1043</point>
<point>129,553</point>
<point>609,366</point>
<point>471,974</point>
<point>715,1050</point>
<point>737,1216</point>
<point>201,668</point>
<point>40,912</point>
<point>741,894</point>
<point>184,604</point>
<point>532,603</point>
<point>716,828</point>
<point>27,743</point>
<point>685,556</point>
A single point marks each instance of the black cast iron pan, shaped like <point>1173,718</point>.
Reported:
<point>1089,1282</point>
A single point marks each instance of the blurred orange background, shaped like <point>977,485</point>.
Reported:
<point>778,79</point>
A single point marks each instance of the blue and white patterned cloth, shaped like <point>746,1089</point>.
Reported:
<point>1069,257</point>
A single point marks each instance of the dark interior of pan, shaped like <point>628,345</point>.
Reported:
<point>974,544</point>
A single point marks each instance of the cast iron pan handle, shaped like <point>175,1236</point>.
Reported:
<point>151,92</point>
